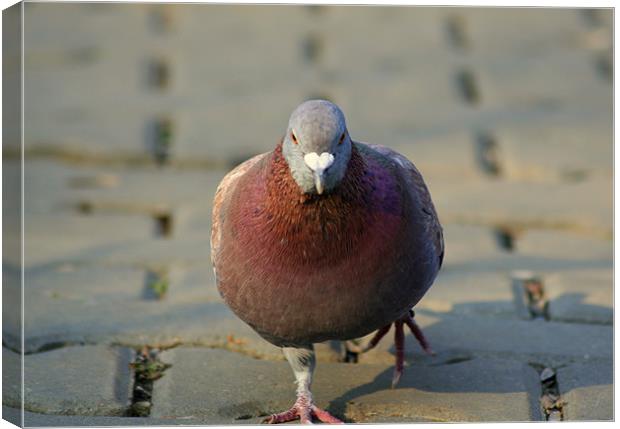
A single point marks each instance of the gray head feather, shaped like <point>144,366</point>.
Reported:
<point>319,127</point>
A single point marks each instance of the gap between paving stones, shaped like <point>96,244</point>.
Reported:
<point>239,338</point>
<point>132,160</point>
<point>445,357</point>
<point>551,401</point>
<point>147,367</point>
<point>515,226</point>
<point>334,352</point>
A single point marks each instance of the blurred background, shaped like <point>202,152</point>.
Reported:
<point>134,112</point>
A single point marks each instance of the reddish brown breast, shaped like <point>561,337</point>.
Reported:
<point>307,268</point>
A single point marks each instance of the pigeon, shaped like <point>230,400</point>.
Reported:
<point>324,238</point>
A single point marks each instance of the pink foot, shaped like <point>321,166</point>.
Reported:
<point>303,410</point>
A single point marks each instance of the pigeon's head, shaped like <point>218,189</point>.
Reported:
<point>317,146</point>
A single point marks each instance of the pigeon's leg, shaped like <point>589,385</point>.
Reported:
<point>303,362</point>
<point>377,337</point>
<point>399,342</point>
<point>417,333</point>
<point>354,348</point>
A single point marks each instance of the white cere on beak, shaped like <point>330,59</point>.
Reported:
<point>318,164</point>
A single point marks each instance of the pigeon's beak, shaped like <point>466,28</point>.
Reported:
<point>318,181</point>
<point>318,164</point>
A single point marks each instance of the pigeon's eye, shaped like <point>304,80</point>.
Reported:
<point>341,139</point>
<point>294,138</point>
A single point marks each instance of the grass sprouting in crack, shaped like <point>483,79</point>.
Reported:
<point>147,368</point>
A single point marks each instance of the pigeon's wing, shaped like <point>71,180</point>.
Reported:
<point>417,185</point>
<point>224,190</point>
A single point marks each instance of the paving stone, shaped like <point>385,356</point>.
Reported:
<point>549,243</point>
<point>482,294</point>
<point>569,151</point>
<point>477,390</point>
<point>440,158</point>
<point>11,302</point>
<point>250,36</point>
<point>91,22</point>
<point>58,237</point>
<point>460,239</point>
<point>598,26</point>
<point>343,30</point>
<point>11,379</point>
<point>44,420</point>
<point>115,189</point>
<point>117,199</point>
<point>180,251</point>
<point>590,104</point>
<point>207,133</point>
<point>534,250</point>
<point>86,380</point>
<point>588,390</point>
<point>584,296</point>
<point>11,212</point>
<point>184,390</point>
<point>520,31</point>
<point>405,112</point>
<point>196,285</point>
<point>212,385</point>
<point>12,79</point>
<point>571,78</point>
<point>88,130</point>
<point>12,415</point>
<point>516,204</point>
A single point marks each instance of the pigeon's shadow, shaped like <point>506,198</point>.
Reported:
<point>587,313</point>
<point>454,370</point>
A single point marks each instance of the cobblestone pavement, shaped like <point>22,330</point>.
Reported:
<point>133,113</point>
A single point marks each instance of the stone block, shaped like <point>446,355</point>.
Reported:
<point>520,31</point>
<point>588,390</point>
<point>521,205</point>
<point>461,293</point>
<point>566,245</point>
<point>54,420</point>
<point>83,380</point>
<point>61,237</point>
<point>557,152</point>
<point>584,296</point>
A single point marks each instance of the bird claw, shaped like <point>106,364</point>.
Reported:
<point>304,413</point>
<point>396,377</point>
